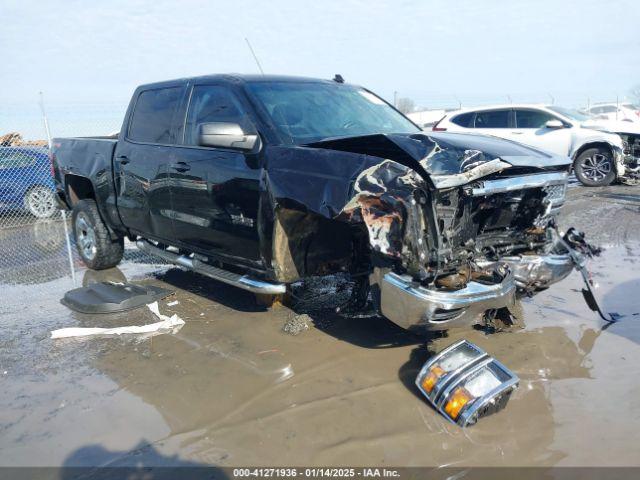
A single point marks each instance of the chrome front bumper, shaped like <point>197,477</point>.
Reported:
<point>415,307</point>
<point>533,272</point>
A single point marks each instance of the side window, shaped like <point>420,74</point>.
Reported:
<point>532,118</point>
<point>609,109</point>
<point>464,119</point>
<point>212,103</point>
<point>596,110</point>
<point>153,115</point>
<point>492,119</point>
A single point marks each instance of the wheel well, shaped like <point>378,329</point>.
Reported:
<point>587,146</point>
<point>307,244</point>
<point>78,188</point>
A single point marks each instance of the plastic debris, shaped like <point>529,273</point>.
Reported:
<point>167,325</point>
<point>171,304</point>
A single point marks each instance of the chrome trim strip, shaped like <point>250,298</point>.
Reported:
<point>502,185</point>
<point>244,282</point>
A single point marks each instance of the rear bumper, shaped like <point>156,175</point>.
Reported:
<point>415,307</point>
<point>534,272</point>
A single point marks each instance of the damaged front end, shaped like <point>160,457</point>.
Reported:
<point>628,160</point>
<point>456,237</point>
<point>446,229</point>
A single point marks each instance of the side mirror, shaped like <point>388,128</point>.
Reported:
<point>225,135</point>
<point>554,124</point>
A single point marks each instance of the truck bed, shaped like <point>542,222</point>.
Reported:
<point>83,155</point>
<point>90,158</point>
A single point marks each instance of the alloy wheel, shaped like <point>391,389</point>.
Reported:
<point>86,237</point>
<point>596,167</point>
<point>41,202</point>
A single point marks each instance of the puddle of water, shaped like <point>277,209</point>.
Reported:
<point>231,389</point>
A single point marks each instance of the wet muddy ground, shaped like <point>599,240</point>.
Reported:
<point>231,388</point>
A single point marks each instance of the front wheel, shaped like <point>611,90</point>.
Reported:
<point>594,167</point>
<point>93,241</point>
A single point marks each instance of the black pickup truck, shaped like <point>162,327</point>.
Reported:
<point>261,181</point>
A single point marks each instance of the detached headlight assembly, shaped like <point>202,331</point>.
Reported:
<point>464,383</point>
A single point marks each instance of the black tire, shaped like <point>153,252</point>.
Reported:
<point>594,167</point>
<point>93,242</point>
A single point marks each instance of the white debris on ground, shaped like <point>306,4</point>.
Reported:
<point>171,304</point>
<point>167,325</point>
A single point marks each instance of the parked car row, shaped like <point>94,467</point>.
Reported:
<point>626,112</point>
<point>601,150</point>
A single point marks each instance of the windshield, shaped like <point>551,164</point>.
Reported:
<point>570,113</point>
<point>309,112</point>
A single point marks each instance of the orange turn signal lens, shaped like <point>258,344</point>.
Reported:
<point>432,378</point>
<point>457,401</point>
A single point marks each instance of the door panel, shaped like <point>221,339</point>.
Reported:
<point>216,202</point>
<point>215,191</point>
<point>531,130</point>
<point>141,163</point>
<point>142,182</point>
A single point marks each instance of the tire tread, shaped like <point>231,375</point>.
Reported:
<point>109,252</point>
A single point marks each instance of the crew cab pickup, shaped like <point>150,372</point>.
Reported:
<point>263,181</point>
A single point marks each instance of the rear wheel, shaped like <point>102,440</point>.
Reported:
<point>93,241</point>
<point>594,167</point>
<point>40,202</point>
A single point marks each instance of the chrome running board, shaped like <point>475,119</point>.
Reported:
<point>244,282</point>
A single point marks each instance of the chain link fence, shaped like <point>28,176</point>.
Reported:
<point>36,245</point>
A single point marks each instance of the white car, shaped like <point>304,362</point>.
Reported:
<point>601,150</point>
<point>626,112</point>
<point>428,118</point>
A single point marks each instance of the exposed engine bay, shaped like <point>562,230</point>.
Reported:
<point>446,235</point>
<point>630,158</point>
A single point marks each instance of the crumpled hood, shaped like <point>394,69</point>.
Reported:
<point>444,153</point>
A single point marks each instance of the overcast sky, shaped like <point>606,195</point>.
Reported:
<point>97,52</point>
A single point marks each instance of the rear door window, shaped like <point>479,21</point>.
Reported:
<point>464,119</point>
<point>492,119</point>
<point>532,118</point>
<point>153,114</point>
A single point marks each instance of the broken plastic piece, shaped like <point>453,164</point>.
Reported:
<point>579,250</point>
<point>111,297</point>
<point>168,324</point>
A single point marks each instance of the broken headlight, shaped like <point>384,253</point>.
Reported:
<point>464,383</point>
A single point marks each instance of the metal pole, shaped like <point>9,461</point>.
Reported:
<point>46,121</point>
<point>69,253</point>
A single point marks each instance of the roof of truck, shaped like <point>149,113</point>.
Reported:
<point>237,78</point>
